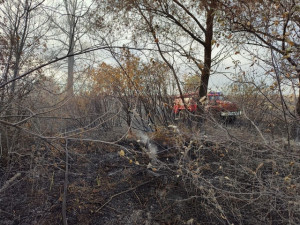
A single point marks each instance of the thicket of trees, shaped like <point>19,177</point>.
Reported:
<point>103,71</point>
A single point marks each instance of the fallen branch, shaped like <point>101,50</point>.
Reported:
<point>7,183</point>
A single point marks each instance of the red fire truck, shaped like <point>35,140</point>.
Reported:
<point>214,104</point>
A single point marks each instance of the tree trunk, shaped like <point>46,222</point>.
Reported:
<point>298,103</point>
<point>70,8</point>
<point>70,81</point>
<point>205,73</point>
<point>3,148</point>
<point>207,51</point>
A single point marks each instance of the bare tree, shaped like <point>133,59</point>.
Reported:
<point>69,27</point>
<point>273,26</point>
<point>180,30</point>
<point>21,32</point>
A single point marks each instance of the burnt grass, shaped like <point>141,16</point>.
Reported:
<point>103,188</point>
<point>194,182</point>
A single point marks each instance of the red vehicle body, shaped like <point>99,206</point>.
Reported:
<point>189,100</point>
<point>214,104</point>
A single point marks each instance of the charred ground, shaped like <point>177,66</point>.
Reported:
<point>193,179</point>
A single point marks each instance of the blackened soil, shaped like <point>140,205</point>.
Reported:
<point>103,188</point>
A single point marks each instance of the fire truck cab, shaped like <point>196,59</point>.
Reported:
<point>214,104</point>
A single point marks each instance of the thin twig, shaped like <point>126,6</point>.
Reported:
<point>64,203</point>
<point>258,130</point>
<point>122,192</point>
<point>283,104</point>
